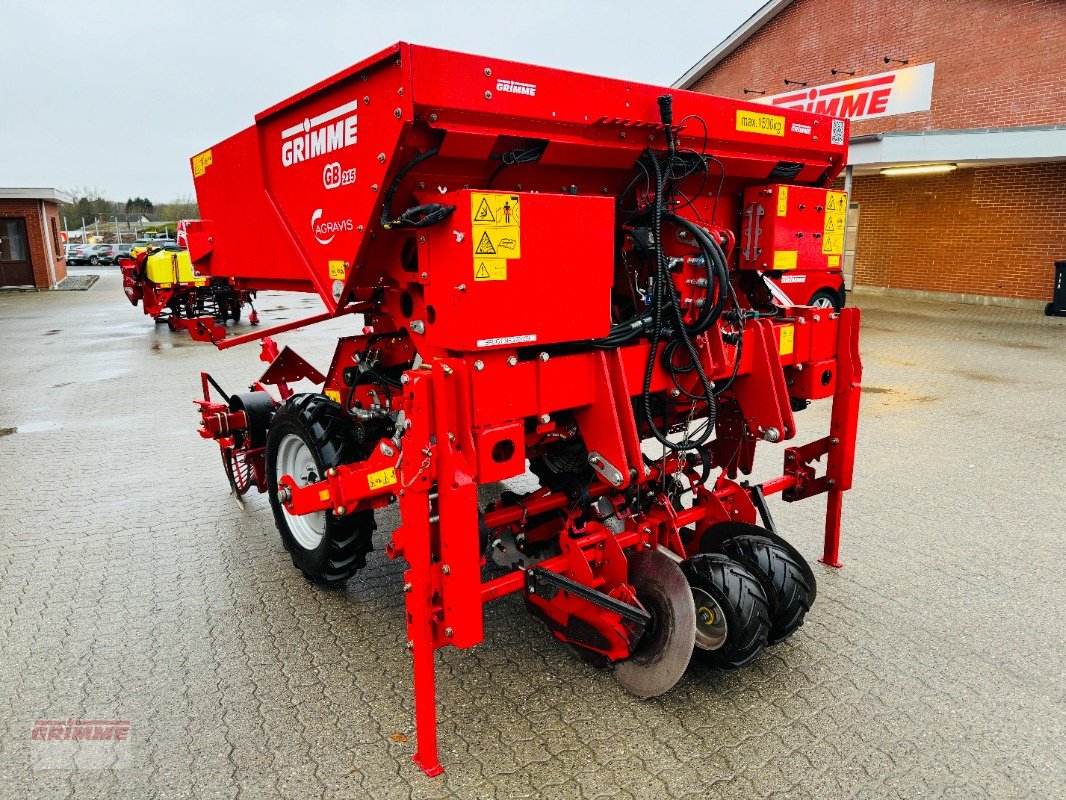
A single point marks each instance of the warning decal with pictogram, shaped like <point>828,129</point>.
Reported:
<point>484,246</point>
<point>484,212</point>
<point>490,269</point>
<point>836,220</point>
<point>496,233</point>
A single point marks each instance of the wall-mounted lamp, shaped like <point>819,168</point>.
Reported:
<point>753,91</point>
<point>890,60</point>
<point>842,72</point>
<point>919,169</point>
<point>795,83</point>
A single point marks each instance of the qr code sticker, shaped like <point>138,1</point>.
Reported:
<point>838,132</point>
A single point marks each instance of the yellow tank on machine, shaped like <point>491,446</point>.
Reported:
<point>165,268</point>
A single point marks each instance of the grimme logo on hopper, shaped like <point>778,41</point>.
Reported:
<point>316,136</point>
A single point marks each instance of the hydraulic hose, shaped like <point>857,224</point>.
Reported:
<point>717,272</point>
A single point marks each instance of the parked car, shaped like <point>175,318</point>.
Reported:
<point>106,253</point>
<point>122,251</point>
<point>86,254</point>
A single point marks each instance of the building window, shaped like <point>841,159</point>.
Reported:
<point>57,246</point>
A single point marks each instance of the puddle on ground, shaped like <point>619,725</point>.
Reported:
<point>1025,346</point>
<point>169,344</point>
<point>892,395</point>
<point>35,427</point>
<point>902,362</point>
<point>983,377</point>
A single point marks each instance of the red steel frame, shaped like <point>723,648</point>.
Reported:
<point>472,413</point>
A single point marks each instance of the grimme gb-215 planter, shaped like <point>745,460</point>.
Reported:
<point>553,269</point>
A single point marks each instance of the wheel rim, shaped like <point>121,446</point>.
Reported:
<point>711,627</point>
<point>296,460</point>
<point>823,302</point>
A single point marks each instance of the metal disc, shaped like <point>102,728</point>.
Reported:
<point>665,649</point>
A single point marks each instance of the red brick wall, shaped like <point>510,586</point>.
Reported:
<point>994,231</point>
<point>999,63</point>
<point>30,211</point>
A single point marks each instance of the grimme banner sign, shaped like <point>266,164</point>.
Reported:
<point>901,91</point>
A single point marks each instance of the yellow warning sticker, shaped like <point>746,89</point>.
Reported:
<point>785,259</point>
<point>502,242</point>
<point>336,270</point>
<point>836,221</point>
<point>782,201</point>
<point>754,122</point>
<point>494,209</point>
<point>381,478</point>
<point>490,269</point>
<point>834,261</point>
<point>333,394</point>
<point>200,163</point>
<point>787,340</point>
<point>496,233</point>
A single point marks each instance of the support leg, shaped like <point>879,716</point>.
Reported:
<point>831,552</point>
<point>426,709</point>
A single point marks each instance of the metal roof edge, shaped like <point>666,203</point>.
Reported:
<point>35,193</point>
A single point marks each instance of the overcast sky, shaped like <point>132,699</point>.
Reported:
<point>117,95</point>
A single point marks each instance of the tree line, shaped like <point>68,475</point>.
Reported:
<point>91,205</point>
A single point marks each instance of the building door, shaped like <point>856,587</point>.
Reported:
<point>851,239</point>
<point>15,267</point>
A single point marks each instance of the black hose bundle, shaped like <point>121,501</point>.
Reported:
<point>666,300</point>
<point>417,216</point>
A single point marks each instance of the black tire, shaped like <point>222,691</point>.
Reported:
<point>825,296</point>
<point>93,261</point>
<point>1049,310</point>
<point>740,599</point>
<point>258,408</point>
<point>786,577</point>
<point>715,537</point>
<point>329,437</point>
<point>235,310</point>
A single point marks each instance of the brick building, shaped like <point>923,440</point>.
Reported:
<point>31,248</point>
<point>961,191</point>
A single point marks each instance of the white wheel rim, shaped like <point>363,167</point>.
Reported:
<point>296,460</point>
<point>711,627</point>
<point>822,302</point>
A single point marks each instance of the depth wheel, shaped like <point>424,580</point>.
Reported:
<point>308,435</point>
<point>235,310</point>
<point>787,578</point>
<point>732,611</point>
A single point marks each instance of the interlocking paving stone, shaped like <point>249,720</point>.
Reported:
<point>131,586</point>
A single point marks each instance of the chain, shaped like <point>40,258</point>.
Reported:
<point>422,468</point>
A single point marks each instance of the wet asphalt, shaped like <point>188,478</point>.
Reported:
<point>132,587</point>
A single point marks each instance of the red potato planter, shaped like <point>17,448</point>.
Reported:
<point>558,270</point>
<point>170,291</point>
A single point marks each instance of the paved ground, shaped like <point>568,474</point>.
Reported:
<point>132,587</point>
